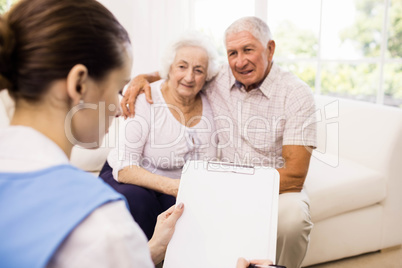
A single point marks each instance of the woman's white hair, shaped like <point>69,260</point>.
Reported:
<point>256,26</point>
<point>191,39</point>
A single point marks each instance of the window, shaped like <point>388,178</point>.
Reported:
<point>214,22</point>
<point>345,48</point>
<point>5,5</point>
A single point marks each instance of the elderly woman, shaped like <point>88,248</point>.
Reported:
<point>153,147</point>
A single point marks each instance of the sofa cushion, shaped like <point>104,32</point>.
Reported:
<point>346,187</point>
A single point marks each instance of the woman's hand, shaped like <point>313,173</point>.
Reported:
<point>164,230</point>
<point>136,86</point>
<point>243,263</point>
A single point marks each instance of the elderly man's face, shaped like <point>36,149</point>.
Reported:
<point>249,60</point>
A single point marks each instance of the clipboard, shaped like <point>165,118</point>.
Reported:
<point>230,211</point>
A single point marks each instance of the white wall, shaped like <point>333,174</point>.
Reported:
<point>152,24</point>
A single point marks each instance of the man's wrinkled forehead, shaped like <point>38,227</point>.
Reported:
<point>240,39</point>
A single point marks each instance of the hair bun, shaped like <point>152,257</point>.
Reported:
<point>7,46</point>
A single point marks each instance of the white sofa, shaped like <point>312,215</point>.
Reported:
<point>354,181</point>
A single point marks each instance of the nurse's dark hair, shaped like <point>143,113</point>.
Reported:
<point>41,40</point>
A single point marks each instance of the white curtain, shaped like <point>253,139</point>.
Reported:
<point>152,25</point>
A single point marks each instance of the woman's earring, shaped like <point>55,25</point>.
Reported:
<point>81,104</point>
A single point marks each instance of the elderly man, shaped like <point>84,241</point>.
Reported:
<point>261,115</point>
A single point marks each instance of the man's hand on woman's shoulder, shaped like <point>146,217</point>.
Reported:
<point>139,84</point>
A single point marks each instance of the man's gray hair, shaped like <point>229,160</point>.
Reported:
<point>256,26</point>
<point>191,39</point>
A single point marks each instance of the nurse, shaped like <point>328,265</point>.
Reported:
<point>60,61</point>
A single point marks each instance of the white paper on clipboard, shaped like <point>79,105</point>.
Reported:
<point>230,211</point>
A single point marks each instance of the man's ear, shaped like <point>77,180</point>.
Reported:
<point>271,49</point>
<point>77,80</point>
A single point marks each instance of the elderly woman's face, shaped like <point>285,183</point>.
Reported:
<point>188,71</point>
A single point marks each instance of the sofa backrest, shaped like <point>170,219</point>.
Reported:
<point>364,132</point>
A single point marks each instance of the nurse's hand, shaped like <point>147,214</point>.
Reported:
<point>164,230</point>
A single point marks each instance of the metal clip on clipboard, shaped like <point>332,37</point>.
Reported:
<point>230,167</point>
